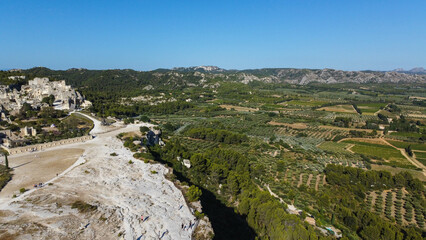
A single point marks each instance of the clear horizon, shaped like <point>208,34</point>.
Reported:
<point>147,35</point>
<point>242,69</point>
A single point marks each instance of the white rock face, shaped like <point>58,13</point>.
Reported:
<point>65,97</point>
<point>123,193</point>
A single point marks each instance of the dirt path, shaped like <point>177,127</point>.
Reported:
<point>377,112</point>
<point>317,182</point>
<point>349,148</point>
<point>410,159</point>
<point>382,140</point>
<point>373,200</point>
<point>285,175</point>
<point>300,180</point>
<point>308,183</point>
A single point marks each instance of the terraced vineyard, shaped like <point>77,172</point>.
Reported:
<point>341,159</point>
<point>398,206</point>
<point>313,132</point>
<point>196,144</point>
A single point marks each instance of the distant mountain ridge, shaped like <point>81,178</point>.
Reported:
<point>417,70</point>
<point>209,69</point>
<point>206,75</point>
<point>306,76</point>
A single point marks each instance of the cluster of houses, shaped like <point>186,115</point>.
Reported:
<point>12,100</point>
<point>65,98</point>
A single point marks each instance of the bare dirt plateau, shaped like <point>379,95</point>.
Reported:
<point>122,193</point>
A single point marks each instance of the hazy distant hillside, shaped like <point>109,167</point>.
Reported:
<point>306,76</point>
<point>418,70</point>
<point>131,81</point>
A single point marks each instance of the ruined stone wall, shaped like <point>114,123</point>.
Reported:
<point>42,146</point>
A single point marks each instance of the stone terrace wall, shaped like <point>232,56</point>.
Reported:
<point>38,147</point>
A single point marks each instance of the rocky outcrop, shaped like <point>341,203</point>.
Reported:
<point>65,97</point>
<point>328,76</point>
<point>304,76</point>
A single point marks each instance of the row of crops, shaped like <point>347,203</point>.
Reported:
<point>340,160</point>
<point>312,132</point>
<point>305,143</point>
<point>355,117</point>
<point>198,145</point>
<point>398,206</point>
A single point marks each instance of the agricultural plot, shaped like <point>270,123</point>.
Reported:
<point>397,205</point>
<point>310,103</point>
<point>341,159</point>
<point>312,132</point>
<point>335,147</point>
<point>297,185</point>
<point>377,151</point>
<point>306,114</point>
<point>338,109</point>
<point>304,143</point>
<point>404,135</point>
<point>239,108</point>
<point>414,146</point>
<point>197,145</point>
<point>370,108</point>
<point>421,157</point>
<point>356,118</point>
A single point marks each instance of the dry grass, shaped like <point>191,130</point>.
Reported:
<point>239,109</point>
<point>291,125</point>
<point>345,129</point>
<point>338,108</point>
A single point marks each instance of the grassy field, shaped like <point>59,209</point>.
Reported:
<point>376,150</point>
<point>76,120</point>
<point>339,108</point>
<point>310,103</point>
<point>406,134</point>
<point>421,157</point>
<point>370,108</point>
<point>334,147</point>
<point>414,145</point>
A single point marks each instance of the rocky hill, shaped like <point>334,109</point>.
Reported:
<point>306,76</point>
<point>131,81</point>
<point>418,70</point>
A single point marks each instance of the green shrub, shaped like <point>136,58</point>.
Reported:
<point>193,194</point>
<point>83,207</point>
<point>198,215</point>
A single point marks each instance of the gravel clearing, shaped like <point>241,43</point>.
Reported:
<point>122,193</point>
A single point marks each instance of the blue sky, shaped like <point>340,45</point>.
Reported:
<point>145,35</point>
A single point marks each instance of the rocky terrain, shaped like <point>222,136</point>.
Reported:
<point>205,76</point>
<point>101,197</point>
<point>64,97</point>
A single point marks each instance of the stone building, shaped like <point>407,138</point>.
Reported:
<point>28,131</point>
<point>153,138</point>
<point>65,97</point>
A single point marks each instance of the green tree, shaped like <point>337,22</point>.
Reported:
<point>193,194</point>
<point>6,160</point>
<point>409,151</point>
<point>49,100</point>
